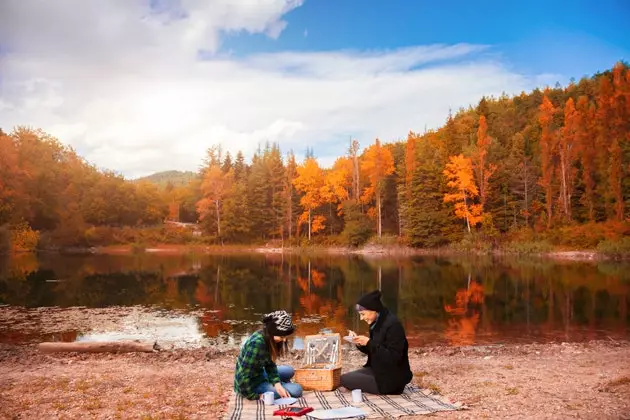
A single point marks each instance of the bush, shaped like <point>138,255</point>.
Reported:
<point>5,240</point>
<point>357,228</point>
<point>138,248</point>
<point>385,240</point>
<point>589,235</point>
<point>528,247</point>
<point>23,238</point>
<point>472,243</point>
<point>618,249</point>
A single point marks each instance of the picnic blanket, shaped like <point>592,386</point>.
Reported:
<point>412,401</point>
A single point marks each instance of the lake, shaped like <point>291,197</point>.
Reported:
<point>194,300</point>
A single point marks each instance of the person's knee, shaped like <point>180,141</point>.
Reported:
<point>285,372</point>
<point>295,390</point>
<point>346,380</point>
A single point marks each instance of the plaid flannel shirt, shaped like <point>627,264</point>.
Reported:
<point>252,363</point>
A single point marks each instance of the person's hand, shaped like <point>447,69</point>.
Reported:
<point>360,340</point>
<point>351,333</point>
<point>281,391</point>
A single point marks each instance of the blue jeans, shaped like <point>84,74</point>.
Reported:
<point>285,373</point>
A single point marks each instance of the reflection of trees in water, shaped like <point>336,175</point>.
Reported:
<point>465,314</point>
<point>520,296</point>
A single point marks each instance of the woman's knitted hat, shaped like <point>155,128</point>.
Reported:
<point>370,301</point>
<point>279,323</point>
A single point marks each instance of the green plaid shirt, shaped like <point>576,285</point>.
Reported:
<point>252,363</point>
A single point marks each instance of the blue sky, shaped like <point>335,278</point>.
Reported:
<point>573,38</point>
<point>140,86</point>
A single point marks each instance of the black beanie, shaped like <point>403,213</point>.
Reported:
<point>371,301</point>
<point>279,323</point>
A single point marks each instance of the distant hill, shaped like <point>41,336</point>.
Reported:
<point>177,178</point>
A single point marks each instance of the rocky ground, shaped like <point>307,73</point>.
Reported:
<point>586,380</point>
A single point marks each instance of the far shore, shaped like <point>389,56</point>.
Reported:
<point>373,251</point>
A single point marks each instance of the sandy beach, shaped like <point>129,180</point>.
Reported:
<point>554,380</point>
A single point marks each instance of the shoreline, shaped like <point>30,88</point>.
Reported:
<point>369,251</point>
<point>554,380</point>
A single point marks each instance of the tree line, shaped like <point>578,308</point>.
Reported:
<point>552,159</point>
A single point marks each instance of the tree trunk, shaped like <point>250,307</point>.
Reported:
<point>290,209</point>
<point>378,205</point>
<point>309,224</point>
<point>98,347</point>
<point>563,193</point>
<point>526,194</point>
<point>330,212</point>
<point>466,206</point>
<point>216,202</point>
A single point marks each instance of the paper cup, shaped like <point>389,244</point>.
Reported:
<point>268,397</point>
<point>356,396</point>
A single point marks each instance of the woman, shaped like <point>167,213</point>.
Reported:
<point>387,369</point>
<point>256,370</point>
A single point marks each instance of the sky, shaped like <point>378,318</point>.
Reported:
<point>141,86</point>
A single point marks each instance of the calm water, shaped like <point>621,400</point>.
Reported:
<point>219,299</point>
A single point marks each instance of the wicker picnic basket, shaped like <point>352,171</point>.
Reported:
<point>321,368</point>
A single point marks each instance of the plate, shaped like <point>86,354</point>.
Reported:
<point>285,401</point>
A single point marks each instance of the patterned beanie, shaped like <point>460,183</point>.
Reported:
<point>279,323</point>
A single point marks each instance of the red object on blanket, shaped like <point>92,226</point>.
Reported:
<point>293,411</point>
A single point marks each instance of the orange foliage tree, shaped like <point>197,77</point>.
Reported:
<point>339,181</point>
<point>310,181</point>
<point>377,163</point>
<point>567,153</point>
<point>587,152</point>
<point>483,169</point>
<point>547,147</point>
<point>460,178</point>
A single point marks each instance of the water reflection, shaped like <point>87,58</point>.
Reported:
<point>456,301</point>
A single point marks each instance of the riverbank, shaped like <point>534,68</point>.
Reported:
<point>556,380</point>
<point>370,251</point>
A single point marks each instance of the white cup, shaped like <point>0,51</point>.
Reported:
<point>268,397</point>
<point>356,396</point>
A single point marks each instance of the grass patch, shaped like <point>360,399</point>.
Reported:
<point>429,385</point>
<point>419,378</point>
<point>511,391</point>
<point>508,367</point>
<point>93,404</point>
<point>623,380</point>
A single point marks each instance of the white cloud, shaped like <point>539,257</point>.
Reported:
<point>122,83</point>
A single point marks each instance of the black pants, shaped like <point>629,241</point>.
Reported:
<point>362,379</point>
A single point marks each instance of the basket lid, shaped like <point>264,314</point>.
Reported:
<point>323,350</point>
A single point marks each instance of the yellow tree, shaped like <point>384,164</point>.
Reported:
<point>460,177</point>
<point>377,163</point>
<point>215,187</point>
<point>310,181</point>
<point>339,181</point>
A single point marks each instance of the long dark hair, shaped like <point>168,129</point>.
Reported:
<point>275,349</point>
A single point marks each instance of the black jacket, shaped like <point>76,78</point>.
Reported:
<point>387,354</point>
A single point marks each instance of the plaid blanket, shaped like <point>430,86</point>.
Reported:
<point>412,401</point>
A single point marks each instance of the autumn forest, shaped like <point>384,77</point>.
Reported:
<point>550,168</point>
